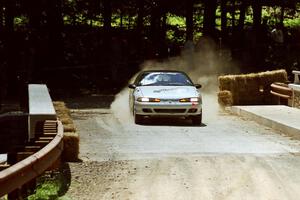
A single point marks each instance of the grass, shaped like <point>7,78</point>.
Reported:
<point>50,188</point>
<point>53,186</point>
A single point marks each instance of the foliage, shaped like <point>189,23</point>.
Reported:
<point>292,22</point>
<point>50,188</point>
<point>63,33</point>
<point>176,32</point>
<point>175,20</point>
<point>21,21</point>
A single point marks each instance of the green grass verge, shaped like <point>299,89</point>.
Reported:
<point>50,188</point>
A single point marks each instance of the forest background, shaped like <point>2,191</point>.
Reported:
<point>100,44</point>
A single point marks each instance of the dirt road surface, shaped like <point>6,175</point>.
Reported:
<point>226,158</point>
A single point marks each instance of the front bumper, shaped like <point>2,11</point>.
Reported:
<point>167,108</point>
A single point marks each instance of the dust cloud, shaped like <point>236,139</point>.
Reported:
<point>120,107</point>
<point>203,62</point>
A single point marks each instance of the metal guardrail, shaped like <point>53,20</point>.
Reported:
<point>282,91</point>
<point>31,167</point>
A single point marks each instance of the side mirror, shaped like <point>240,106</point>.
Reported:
<point>132,86</point>
<point>198,86</point>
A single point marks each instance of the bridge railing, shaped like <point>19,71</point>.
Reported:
<point>33,142</point>
<point>296,89</point>
<point>40,107</point>
<point>296,79</point>
<point>17,175</point>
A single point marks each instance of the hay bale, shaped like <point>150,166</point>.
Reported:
<point>59,104</point>
<point>273,76</point>
<point>71,138</point>
<point>60,107</point>
<point>66,120</point>
<point>71,147</point>
<point>69,128</point>
<point>64,116</point>
<point>66,113</point>
<point>254,88</point>
<point>225,82</point>
<point>225,98</point>
<point>63,113</point>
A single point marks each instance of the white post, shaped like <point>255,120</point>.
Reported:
<point>296,80</point>
<point>40,107</point>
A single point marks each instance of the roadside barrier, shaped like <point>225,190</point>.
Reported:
<point>16,178</point>
<point>282,91</point>
<point>296,89</point>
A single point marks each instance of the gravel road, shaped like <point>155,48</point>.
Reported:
<point>227,157</point>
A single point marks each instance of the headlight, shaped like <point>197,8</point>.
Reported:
<point>192,99</point>
<point>143,99</point>
<point>146,99</point>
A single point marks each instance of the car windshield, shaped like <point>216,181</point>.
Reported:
<point>164,79</point>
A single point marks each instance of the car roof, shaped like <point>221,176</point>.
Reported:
<point>162,70</point>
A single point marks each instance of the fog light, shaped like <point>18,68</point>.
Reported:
<point>192,110</point>
<point>147,110</point>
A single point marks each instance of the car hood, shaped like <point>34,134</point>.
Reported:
<point>168,91</point>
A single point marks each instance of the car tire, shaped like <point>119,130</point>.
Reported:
<point>138,119</point>
<point>197,120</point>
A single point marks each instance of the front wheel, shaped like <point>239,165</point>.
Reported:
<point>138,119</point>
<point>197,119</point>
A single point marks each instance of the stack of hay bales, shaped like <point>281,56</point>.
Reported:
<point>225,98</point>
<point>249,89</point>
<point>71,138</point>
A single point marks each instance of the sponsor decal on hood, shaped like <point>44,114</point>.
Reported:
<point>169,91</point>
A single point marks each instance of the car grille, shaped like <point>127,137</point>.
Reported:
<point>169,100</point>
<point>170,110</point>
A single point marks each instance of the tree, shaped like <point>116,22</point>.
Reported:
<point>189,19</point>
<point>233,14</point>
<point>209,22</point>
<point>55,26</point>
<point>9,43</point>
<point>224,17</point>
<point>257,11</point>
<point>34,9</point>
<point>243,8</point>
<point>140,18</point>
<point>155,26</point>
<point>9,15</point>
<point>1,16</point>
<point>107,14</point>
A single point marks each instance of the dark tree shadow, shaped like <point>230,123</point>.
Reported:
<point>65,178</point>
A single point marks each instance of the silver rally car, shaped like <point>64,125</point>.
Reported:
<point>165,93</point>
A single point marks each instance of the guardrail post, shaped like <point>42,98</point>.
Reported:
<point>296,79</point>
<point>295,87</point>
<point>28,188</point>
<point>18,178</point>
<point>15,195</point>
